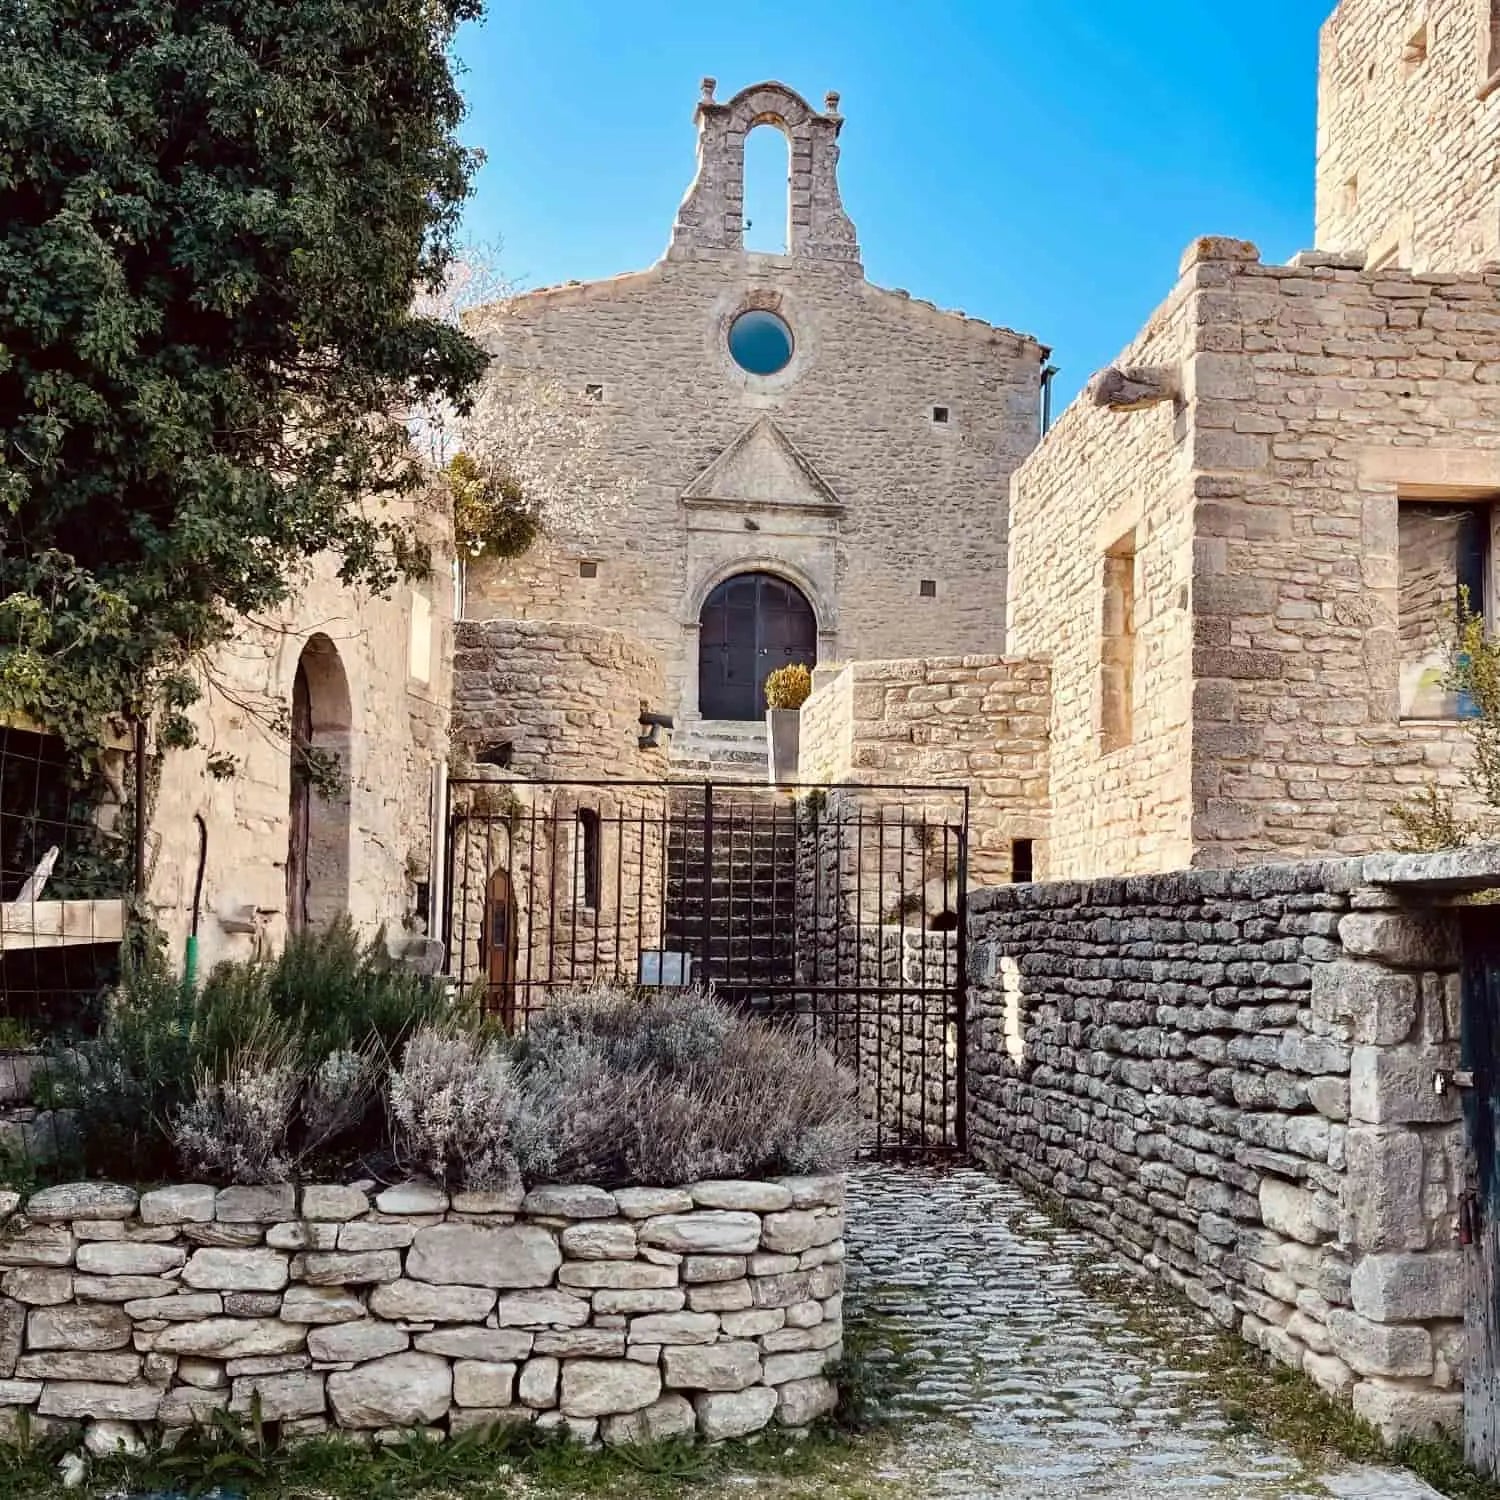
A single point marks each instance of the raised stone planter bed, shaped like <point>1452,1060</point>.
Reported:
<point>626,1316</point>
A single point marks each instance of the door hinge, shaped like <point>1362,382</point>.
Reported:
<point>1445,1080</point>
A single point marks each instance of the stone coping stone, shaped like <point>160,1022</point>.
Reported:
<point>1475,868</point>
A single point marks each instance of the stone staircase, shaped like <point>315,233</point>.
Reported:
<point>720,750</point>
<point>746,892</point>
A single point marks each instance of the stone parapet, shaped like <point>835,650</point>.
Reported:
<point>1229,1075</point>
<point>638,1314</point>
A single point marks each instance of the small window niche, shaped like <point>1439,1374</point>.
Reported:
<point>1491,51</point>
<point>940,415</point>
<point>1351,193</point>
<point>588,568</point>
<point>1414,51</point>
<point>927,588</point>
<point>587,862</point>
<point>1445,561</point>
<point>1022,861</point>
<point>1117,627</point>
<point>593,393</point>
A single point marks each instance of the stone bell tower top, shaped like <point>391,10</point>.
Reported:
<point>712,216</point>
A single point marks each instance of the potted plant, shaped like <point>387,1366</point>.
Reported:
<point>787,689</point>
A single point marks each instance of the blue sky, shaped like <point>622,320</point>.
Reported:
<point>1037,163</point>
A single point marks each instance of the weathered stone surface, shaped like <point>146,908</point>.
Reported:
<point>420,1301</point>
<point>367,1339</point>
<point>77,1328</point>
<point>266,1364</point>
<point>1290,1210</point>
<point>732,1414</point>
<point>231,1338</point>
<point>631,1275</point>
<point>38,1286</point>
<point>120,1258</point>
<point>236,1270</point>
<point>572,1343</point>
<point>720,1296</point>
<point>302,1234</point>
<point>333,1202</point>
<point>12,1335</point>
<point>1397,1412</point>
<point>505,1200</point>
<point>753,1323</point>
<point>756,1197</point>
<point>351,1268</point>
<point>398,1391</point>
<point>567,1202</point>
<point>82,1200</point>
<point>674,1328</point>
<point>706,1232</point>
<point>122,1288</point>
<point>483,1383</point>
<point>796,1230</point>
<point>1405,940</point>
<point>187,1203</point>
<point>1376,1004</point>
<point>614,1303</point>
<point>281,1397</point>
<point>650,1202</point>
<point>802,1401</point>
<point>208,1374</point>
<point>713,1267</point>
<point>826,1190</point>
<point>375,1236</point>
<point>1378,1348</point>
<point>521,1255</point>
<point>1409,1288</point>
<point>1385,1212</point>
<point>599,1239</point>
<point>185,1405</point>
<point>81,1398</point>
<point>728,1366</point>
<point>40,1245</point>
<point>495,1345</point>
<point>227,1236</point>
<point>316,1304</point>
<point>67,1364</point>
<point>109,1438</point>
<point>601,1388</point>
<point>19,1392</point>
<point>780,1368</point>
<point>672,1416</point>
<point>412,1198</point>
<point>538,1384</point>
<point>541,1309</point>
<point>256,1205</point>
<point>1393,1085</point>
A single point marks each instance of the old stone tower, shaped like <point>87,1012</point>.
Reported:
<point>800,465</point>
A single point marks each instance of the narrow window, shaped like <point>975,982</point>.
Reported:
<point>1117,646</point>
<point>927,588</point>
<point>940,416</point>
<point>1444,568</point>
<point>586,858</point>
<point>768,190</point>
<point>1021,861</point>
<point>588,570</point>
<point>499,754</point>
<point>593,393</point>
<point>1351,194</point>
<point>1492,58</point>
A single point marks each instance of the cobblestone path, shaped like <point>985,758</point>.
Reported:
<point>1022,1384</point>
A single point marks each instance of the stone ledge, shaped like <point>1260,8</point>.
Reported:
<point>1476,868</point>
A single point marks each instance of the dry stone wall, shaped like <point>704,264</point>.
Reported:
<point>642,1313</point>
<point>1229,1076</point>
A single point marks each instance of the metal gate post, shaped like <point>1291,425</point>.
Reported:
<point>961,991</point>
<point>708,877</point>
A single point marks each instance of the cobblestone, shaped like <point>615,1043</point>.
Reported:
<point>1023,1383</point>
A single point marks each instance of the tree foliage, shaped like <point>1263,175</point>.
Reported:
<point>213,217</point>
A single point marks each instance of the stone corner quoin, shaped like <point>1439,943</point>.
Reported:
<point>628,1316</point>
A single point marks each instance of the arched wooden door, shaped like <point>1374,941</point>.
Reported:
<point>751,624</point>
<point>499,956</point>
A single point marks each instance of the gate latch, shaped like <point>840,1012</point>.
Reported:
<point>1446,1079</point>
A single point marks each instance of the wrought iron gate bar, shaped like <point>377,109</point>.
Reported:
<point>836,911</point>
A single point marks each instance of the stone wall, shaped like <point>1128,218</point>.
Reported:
<point>381,695</point>
<point>1409,133</point>
<point>1291,410</point>
<point>566,696</point>
<point>979,721</point>
<point>642,1313</point>
<point>854,474</point>
<point>1230,1077</point>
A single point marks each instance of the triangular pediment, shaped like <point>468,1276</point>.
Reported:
<point>762,467</point>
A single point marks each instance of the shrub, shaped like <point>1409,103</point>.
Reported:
<point>451,1100</point>
<point>789,687</point>
<point>235,1128</point>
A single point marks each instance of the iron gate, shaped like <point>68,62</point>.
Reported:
<point>838,910</point>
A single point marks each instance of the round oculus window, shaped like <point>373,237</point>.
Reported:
<point>760,342</point>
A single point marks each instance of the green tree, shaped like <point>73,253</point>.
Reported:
<point>214,216</point>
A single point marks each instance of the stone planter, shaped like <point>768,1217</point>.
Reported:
<point>783,737</point>
<point>638,1314</point>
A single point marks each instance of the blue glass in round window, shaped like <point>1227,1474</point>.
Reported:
<point>760,342</point>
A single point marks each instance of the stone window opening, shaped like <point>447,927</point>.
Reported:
<point>1445,558</point>
<point>1492,49</point>
<point>317,864</point>
<point>593,393</point>
<point>1351,194</point>
<point>587,859</point>
<point>588,568</point>
<point>767,201</point>
<point>1022,861</point>
<point>940,416</point>
<point>1117,646</point>
<point>500,754</point>
<point>927,588</point>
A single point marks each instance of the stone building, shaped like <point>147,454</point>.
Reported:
<point>812,467</point>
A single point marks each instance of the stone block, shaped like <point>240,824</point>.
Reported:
<point>333,1202</point>
<point>187,1203</point>
<point>281,1398</point>
<point>39,1245</point>
<point>1395,1085</point>
<point>369,1338</point>
<point>1411,1288</point>
<point>543,1308</point>
<point>603,1388</point>
<point>65,1364</point>
<point>412,1198</point>
<point>370,1236</point>
<point>37,1286</point>
<point>479,1382</point>
<point>538,1383</point>
<point>1379,1348</point>
<point>619,1275</point>
<point>673,1328</point>
<point>236,1270</point>
<point>1401,1411</point>
<point>1403,939</point>
<point>720,1296</point>
<point>1378,1005</point>
<point>672,1416</point>
<point>424,1302</point>
<point>570,1202</point>
<point>82,1398</point>
<point>732,1414</point>
<point>706,1232</point>
<point>1291,1211</point>
<point>320,1304</point>
<point>76,1327</point>
<point>756,1197</point>
<point>599,1239</point>
<point>82,1200</point>
<point>1381,1205</point>
<point>401,1390</point>
<point>256,1205</point>
<point>729,1366</point>
<point>346,1267</point>
<point>622,1303</point>
<point>649,1202</point>
<point>800,1402</point>
<point>519,1255</point>
<point>231,1338</point>
<point>494,1345</point>
<point>713,1267</point>
<point>122,1258</point>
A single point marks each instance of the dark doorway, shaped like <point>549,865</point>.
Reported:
<point>317,857</point>
<point>498,947</point>
<point>751,625</point>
